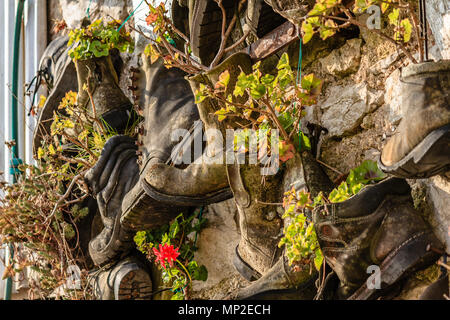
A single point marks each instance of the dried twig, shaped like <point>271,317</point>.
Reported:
<point>61,200</point>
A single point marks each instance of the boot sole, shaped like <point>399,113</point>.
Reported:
<point>429,158</point>
<point>306,291</point>
<point>206,28</point>
<point>148,208</point>
<point>133,283</point>
<point>187,201</point>
<point>142,212</point>
<point>267,20</point>
<point>411,256</point>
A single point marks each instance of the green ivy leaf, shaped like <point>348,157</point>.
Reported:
<point>308,31</point>
<point>318,259</point>
<point>283,62</point>
<point>393,16</point>
<point>407,29</point>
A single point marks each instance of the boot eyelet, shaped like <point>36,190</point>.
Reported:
<point>326,231</point>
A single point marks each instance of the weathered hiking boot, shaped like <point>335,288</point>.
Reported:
<point>114,174</point>
<point>201,182</point>
<point>61,78</point>
<point>377,227</point>
<point>127,280</point>
<point>420,147</point>
<point>60,74</point>
<point>169,107</point>
<point>258,256</point>
<point>281,282</point>
<point>97,76</point>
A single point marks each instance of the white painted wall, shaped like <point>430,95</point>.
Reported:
<point>33,43</point>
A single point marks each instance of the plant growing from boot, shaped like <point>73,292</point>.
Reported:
<point>172,247</point>
<point>272,102</point>
<point>300,239</point>
<point>329,16</point>
<point>97,39</point>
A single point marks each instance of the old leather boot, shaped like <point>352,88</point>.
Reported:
<point>258,256</point>
<point>205,19</point>
<point>260,18</point>
<point>420,147</point>
<point>377,227</point>
<point>201,182</point>
<point>114,174</point>
<point>98,77</point>
<point>60,76</point>
<point>438,289</point>
<point>127,280</point>
<point>168,106</point>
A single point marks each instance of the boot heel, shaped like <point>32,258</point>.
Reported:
<point>132,283</point>
<point>411,256</point>
<point>428,158</point>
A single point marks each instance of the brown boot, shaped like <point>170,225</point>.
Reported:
<point>281,282</point>
<point>377,227</point>
<point>97,76</point>
<point>420,147</point>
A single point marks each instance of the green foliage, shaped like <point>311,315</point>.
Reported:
<point>368,172</point>
<point>97,39</point>
<point>271,102</point>
<point>300,239</point>
<point>182,233</point>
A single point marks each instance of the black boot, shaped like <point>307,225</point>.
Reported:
<point>114,174</point>
<point>377,227</point>
<point>167,105</point>
<point>60,75</point>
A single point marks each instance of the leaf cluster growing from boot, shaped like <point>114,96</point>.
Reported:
<point>271,101</point>
<point>300,238</point>
<point>97,39</point>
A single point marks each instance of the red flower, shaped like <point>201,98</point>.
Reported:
<point>166,252</point>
